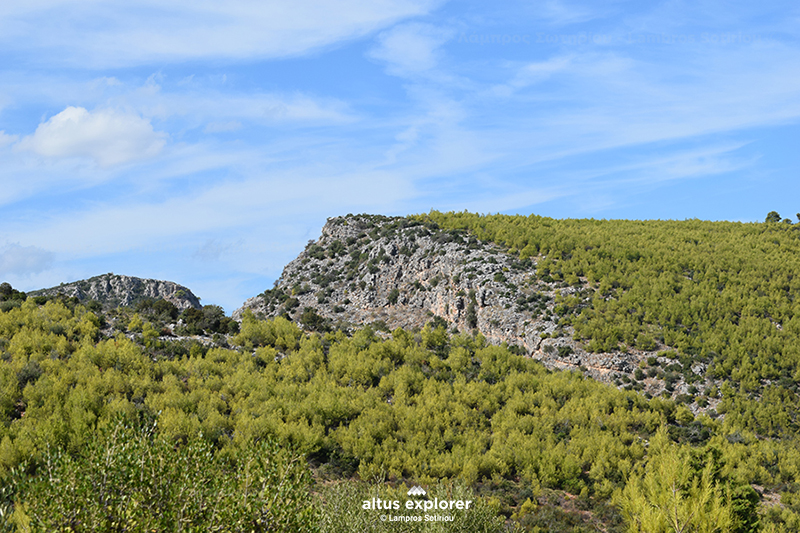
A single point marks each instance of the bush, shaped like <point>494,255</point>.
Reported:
<point>134,480</point>
<point>393,295</point>
<point>8,293</point>
<point>312,321</point>
<point>472,312</point>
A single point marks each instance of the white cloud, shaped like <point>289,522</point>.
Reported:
<point>19,260</point>
<point>586,102</point>
<point>250,207</point>
<point>120,33</point>
<point>410,48</point>
<point>7,139</point>
<point>533,73</point>
<point>107,136</point>
<point>647,169</point>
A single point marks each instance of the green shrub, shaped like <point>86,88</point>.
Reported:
<point>393,295</point>
<point>134,480</point>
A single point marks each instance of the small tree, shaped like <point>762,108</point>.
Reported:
<point>672,497</point>
<point>773,216</point>
<point>472,311</point>
<point>312,321</point>
<point>394,294</point>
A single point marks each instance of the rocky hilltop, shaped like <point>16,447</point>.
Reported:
<point>401,272</point>
<point>113,290</point>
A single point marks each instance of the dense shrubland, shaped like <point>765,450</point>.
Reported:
<point>80,407</point>
<point>108,422</point>
<point>127,479</point>
<point>721,295</point>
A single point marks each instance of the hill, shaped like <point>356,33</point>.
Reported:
<point>113,290</point>
<point>397,272</point>
<point>418,362</point>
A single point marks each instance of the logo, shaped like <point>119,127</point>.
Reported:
<point>421,508</point>
<point>416,491</point>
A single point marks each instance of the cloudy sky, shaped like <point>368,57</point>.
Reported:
<point>206,142</point>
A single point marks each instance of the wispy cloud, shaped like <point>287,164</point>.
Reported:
<point>212,250</point>
<point>117,33</point>
<point>17,260</point>
<point>223,127</point>
<point>211,104</point>
<point>201,103</point>
<point>214,140</point>
<point>560,13</point>
<point>595,101</point>
<point>410,49</point>
<point>7,139</point>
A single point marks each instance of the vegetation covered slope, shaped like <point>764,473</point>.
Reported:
<point>548,451</point>
<point>400,272</point>
<point>723,295</point>
<point>684,310</point>
<point>418,406</point>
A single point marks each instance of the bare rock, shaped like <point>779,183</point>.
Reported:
<point>113,290</point>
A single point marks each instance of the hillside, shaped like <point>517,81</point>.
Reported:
<point>395,272</point>
<point>546,450</point>
<point>400,273</point>
<point>113,290</point>
<point>366,269</point>
<point>396,351</point>
<point>722,296</point>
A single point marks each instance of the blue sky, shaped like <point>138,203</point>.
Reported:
<point>207,142</point>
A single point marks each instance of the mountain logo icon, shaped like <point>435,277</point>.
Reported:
<point>416,491</point>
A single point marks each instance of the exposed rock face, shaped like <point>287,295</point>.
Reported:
<point>113,290</point>
<point>400,272</point>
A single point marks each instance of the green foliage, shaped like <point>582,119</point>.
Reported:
<point>8,293</point>
<point>352,398</point>
<point>671,497</point>
<point>10,298</point>
<point>209,319</point>
<point>129,480</point>
<point>424,405</point>
<point>393,295</point>
<point>717,293</point>
<point>312,321</point>
<point>472,311</point>
<point>280,333</point>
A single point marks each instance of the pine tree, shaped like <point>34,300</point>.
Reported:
<point>672,497</point>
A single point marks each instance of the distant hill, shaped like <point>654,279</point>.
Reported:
<point>113,290</point>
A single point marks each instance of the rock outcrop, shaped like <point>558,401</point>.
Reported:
<point>113,290</point>
<point>400,272</point>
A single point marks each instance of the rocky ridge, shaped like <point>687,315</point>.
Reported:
<point>113,290</point>
<point>395,272</point>
<point>399,272</point>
